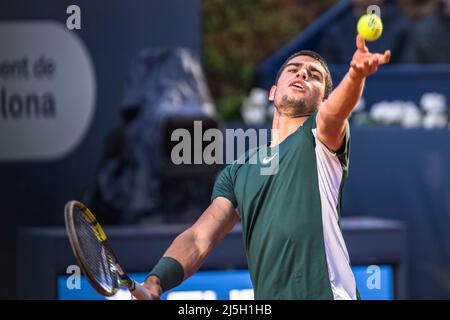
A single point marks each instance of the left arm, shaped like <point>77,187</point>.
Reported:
<point>333,112</point>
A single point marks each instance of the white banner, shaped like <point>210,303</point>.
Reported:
<point>47,90</point>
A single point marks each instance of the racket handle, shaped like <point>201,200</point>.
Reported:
<point>140,293</point>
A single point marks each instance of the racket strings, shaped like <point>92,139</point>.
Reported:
<point>100,262</point>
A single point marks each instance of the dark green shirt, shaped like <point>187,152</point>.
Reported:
<point>290,219</point>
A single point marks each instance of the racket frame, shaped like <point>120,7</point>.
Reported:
<point>124,279</point>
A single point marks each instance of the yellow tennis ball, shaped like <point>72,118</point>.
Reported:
<point>370,27</point>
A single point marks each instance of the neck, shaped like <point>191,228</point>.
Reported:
<point>283,126</point>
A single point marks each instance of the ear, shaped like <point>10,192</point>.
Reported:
<point>272,93</point>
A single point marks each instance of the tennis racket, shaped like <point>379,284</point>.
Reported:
<point>94,254</point>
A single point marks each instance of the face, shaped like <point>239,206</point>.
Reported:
<point>300,88</point>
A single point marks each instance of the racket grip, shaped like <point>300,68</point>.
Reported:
<point>140,293</point>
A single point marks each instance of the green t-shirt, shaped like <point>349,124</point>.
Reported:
<point>290,219</point>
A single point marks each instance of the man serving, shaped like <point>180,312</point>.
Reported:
<point>290,220</point>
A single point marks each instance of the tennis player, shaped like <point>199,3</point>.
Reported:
<point>290,220</point>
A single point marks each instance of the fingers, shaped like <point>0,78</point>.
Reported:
<point>366,67</point>
<point>141,293</point>
<point>386,57</point>
<point>365,63</point>
<point>357,66</point>
<point>361,44</point>
<point>372,65</point>
<point>382,58</point>
<point>369,59</point>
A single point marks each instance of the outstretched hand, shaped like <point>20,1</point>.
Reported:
<point>364,63</point>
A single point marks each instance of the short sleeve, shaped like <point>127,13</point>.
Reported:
<point>344,150</point>
<point>224,185</point>
<point>343,153</point>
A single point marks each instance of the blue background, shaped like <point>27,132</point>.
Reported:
<point>221,282</point>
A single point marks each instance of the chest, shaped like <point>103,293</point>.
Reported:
<point>291,191</point>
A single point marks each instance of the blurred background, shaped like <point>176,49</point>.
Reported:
<point>90,92</point>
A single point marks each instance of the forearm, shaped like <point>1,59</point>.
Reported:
<point>182,259</point>
<point>189,251</point>
<point>343,99</point>
<point>333,113</point>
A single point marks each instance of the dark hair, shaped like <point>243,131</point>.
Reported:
<point>316,56</point>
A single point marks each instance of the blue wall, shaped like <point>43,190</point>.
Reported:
<point>405,175</point>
